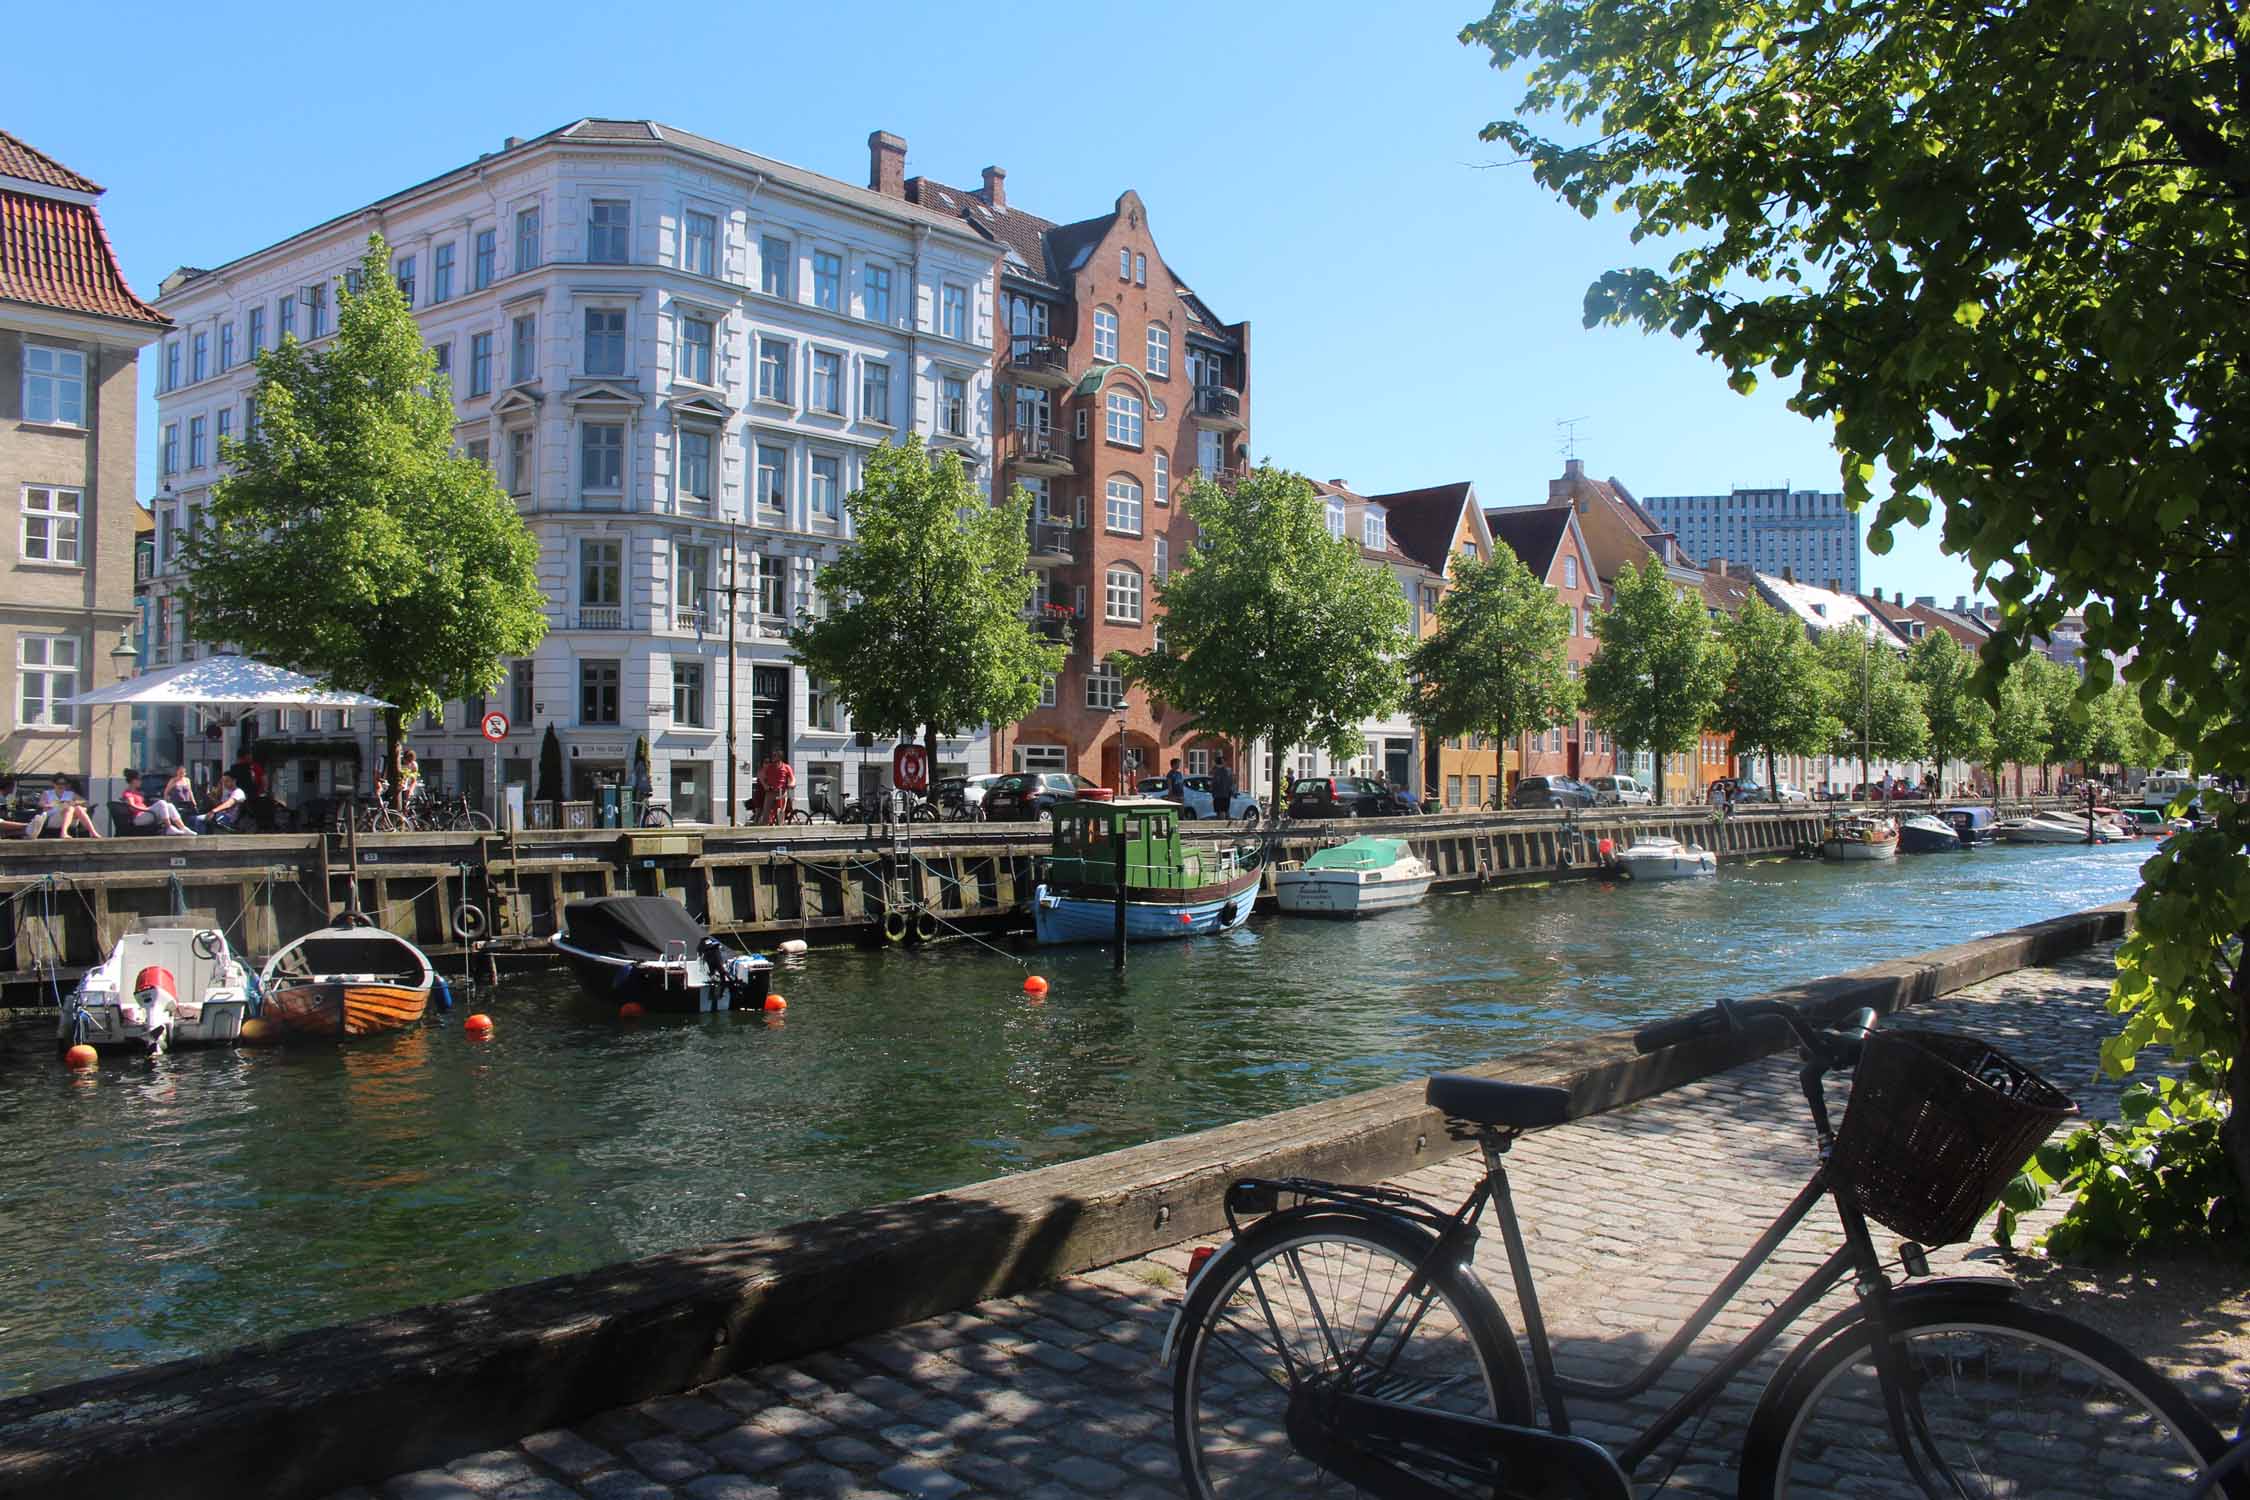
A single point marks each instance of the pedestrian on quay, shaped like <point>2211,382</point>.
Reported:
<point>1175,785</point>
<point>1222,787</point>
<point>775,782</point>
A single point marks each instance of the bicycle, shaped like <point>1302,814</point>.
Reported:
<point>1343,1344</point>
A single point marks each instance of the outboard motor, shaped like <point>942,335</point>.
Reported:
<point>155,992</point>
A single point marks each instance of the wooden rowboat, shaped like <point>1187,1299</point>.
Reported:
<point>347,981</point>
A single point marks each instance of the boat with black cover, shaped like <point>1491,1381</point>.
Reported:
<point>648,950</point>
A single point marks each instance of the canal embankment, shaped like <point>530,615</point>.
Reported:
<point>306,1413</point>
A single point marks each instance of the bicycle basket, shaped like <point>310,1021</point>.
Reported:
<point>1936,1126</point>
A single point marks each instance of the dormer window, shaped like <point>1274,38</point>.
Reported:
<point>1336,519</point>
<point>1371,530</point>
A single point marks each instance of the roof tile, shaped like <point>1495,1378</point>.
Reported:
<point>56,254</point>
<point>26,162</point>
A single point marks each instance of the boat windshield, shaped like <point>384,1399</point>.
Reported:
<point>349,953</point>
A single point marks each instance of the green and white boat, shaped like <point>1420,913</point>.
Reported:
<point>1354,879</point>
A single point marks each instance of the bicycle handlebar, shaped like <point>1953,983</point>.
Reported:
<point>1839,1044</point>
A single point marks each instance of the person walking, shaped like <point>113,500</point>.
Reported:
<point>775,783</point>
<point>1222,787</point>
<point>1175,787</point>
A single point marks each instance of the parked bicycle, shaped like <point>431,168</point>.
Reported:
<point>1341,1343</point>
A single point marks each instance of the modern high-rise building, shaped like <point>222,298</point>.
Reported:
<point>1809,533</point>
<point>677,357</point>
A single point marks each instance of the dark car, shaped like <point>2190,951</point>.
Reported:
<point>1027,794</point>
<point>1347,797</point>
<point>1551,791</point>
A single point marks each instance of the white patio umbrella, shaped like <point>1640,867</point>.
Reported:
<point>223,682</point>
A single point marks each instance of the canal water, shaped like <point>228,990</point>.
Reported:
<point>151,1210</point>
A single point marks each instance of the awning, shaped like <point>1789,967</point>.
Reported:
<point>224,682</point>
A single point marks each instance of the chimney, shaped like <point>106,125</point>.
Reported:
<point>1338,484</point>
<point>1898,597</point>
<point>886,164</point>
<point>1574,468</point>
<point>1925,601</point>
<point>1836,586</point>
<point>996,186</point>
<point>510,143</point>
<point>1788,575</point>
<point>1960,604</point>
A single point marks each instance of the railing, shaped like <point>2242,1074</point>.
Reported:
<point>1037,446</point>
<point>1051,541</point>
<point>1218,401</point>
<point>601,617</point>
<point>698,620</point>
<point>1033,352</point>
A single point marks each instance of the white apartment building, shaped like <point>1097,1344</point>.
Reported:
<point>677,356</point>
<point>1811,533</point>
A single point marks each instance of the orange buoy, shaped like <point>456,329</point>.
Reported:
<point>81,1056</point>
<point>257,1031</point>
<point>631,1010</point>
<point>478,1025</point>
<point>1187,919</point>
<point>775,1002</point>
<point>1034,985</point>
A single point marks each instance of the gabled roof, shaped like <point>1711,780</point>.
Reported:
<point>1391,552</point>
<point>1823,610</point>
<point>1970,636</point>
<point>20,159</point>
<point>1726,593</point>
<point>54,252</point>
<point>1533,532</point>
<point>1427,521</point>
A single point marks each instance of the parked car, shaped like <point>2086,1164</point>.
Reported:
<point>1348,797</point>
<point>1031,794</point>
<point>1620,791</point>
<point>1896,791</point>
<point>1751,791</point>
<point>1551,791</point>
<point>1200,801</point>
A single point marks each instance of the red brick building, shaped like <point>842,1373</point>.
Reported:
<point>1115,383</point>
<point>1549,541</point>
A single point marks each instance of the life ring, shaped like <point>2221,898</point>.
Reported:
<point>925,927</point>
<point>468,920</point>
<point>208,943</point>
<point>355,919</point>
<point>894,927</point>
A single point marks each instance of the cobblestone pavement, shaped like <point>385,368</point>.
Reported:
<point>1056,1394</point>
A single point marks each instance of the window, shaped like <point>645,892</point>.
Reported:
<point>170,452</point>
<point>523,349</point>
<point>773,478</point>
<point>953,406</point>
<point>875,293</point>
<point>605,341</point>
<point>702,244</point>
<point>1027,317</point>
<point>1124,264</point>
<point>403,272</point>
<point>773,266</point>
<point>480,449</point>
<point>1081,424</point>
<point>597,692</point>
<point>600,571</point>
<point>54,385</point>
<point>480,273</point>
<point>522,463</point>
<point>772,584</point>
<point>1371,530</point>
<point>171,365</point>
<point>1140,269</point>
<point>691,583</point>
<point>316,310</point>
<point>1336,518</point>
<point>480,364</point>
<point>1121,594</point>
<point>1163,478</point>
<point>1105,688</point>
<point>1122,423</point>
<point>1105,335</point>
<point>1162,569</point>
<point>47,669</point>
<point>696,336</point>
<point>773,371</point>
<point>687,694</point>
<point>226,433</point>
<point>828,381</point>
<point>1210,453</point>
<point>249,418</point>
<point>1159,350</point>
<point>351,281</point>
<point>953,312</point>
<point>1123,509</point>
<point>226,346</point>
<point>441,358</point>
<point>601,456</point>
<point>609,223</point>
<point>822,711</point>
<point>197,430</point>
<point>51,521</point>
<point>695,469</point>
<point>875,393</point>
<point>827,279</point>
<point>827,487</point>
<point>519,695</point>
<point>527,239</point>
<point>257,332</point>
<point>289,317</point>
<point>200,365</point>
<point>1048,698</point>
<point>1570,572</point>
<point>441,273</point>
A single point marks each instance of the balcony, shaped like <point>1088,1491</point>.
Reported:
<point>601,617</point>
<point>1033,360</point>
<point>1051,621</point>
<point>1216,406</point>
<point>702,621</point>
<point>1051,545</point>
<point>1038,453</point>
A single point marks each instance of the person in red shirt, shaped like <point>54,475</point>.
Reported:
<point>160,814</point>
<point>775,781</point>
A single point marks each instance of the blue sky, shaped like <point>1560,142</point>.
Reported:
<point>1415,305</point>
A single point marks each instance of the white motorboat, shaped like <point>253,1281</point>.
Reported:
<point>1656,858</point>
<point>162,986</point>
<point>1861,836</point>
<point>2048,828</point>
<point>1354,879</point>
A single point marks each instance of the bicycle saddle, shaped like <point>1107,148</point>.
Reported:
<point>1489,1101</point>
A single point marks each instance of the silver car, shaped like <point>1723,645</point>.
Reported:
<point>1620,791</point>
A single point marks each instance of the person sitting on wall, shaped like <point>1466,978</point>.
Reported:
<point>226,811</point>
<point>159,814</point>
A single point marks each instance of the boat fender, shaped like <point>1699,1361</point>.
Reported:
<point>468,920</point>
<point>442,993</point>
<point>925,928</point>
<point>894,927</point>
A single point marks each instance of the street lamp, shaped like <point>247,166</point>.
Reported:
<point>123,656</point>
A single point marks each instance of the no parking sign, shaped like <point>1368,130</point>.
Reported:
<point>910,768</point>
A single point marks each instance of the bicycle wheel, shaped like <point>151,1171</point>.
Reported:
<point>797,815</point>
<point>2005,1401</point>
<point>477,822</point>
<point>924,812</point>
<point>1288,1310</point>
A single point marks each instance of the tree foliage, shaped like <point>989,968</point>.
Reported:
<point>928,631</point>
<point>1879,711</point>
<point>2001,249</point>
<point>351,541</point>
<point>1656,680</point>
<point>2019,720</point>
<point>1960,719</point>
<point>1498,663</point>
<point>1774,702</point>
<point>1273,629</point>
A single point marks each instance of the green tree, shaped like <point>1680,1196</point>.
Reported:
<point>2114,729</point>
<point>1960,719</point>
<point>1498,663</point>
<point>2053,350</point>
<point>2070,718</point>
<point>930,632</point>
<point>351,541</point>
<point>1774,702</point>
<point>1878,710</point>
<point>1655,682</point>
<point>1273,629</point>
<point>2019,720</point>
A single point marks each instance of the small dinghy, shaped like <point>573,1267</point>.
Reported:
<point>1657,858</point>
<point>162,986</point>
<point>649,951</point>
<point>1925,834</point>
<point>352,979</point>
<point>1354,879</point>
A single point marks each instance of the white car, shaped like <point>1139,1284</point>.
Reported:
<point>1750,791</point>
<point>1620,791</point>
<point>1197,799</point>
<point>973,793</point>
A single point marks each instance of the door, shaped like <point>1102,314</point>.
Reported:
<point>1398,763</point>
<point>769,712</point>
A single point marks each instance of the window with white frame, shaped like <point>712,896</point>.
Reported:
<point>827,392</point>
<point>875,293</point>
<point>1048,697</point>
<point>1371,532</point>
<point>772,479</point>
<point>822,709</point>
<point>827,488</point>
<point>1121,510</point>
<point>1121,594</point>
<point>198,451</point>
<point>605,341</point>
<point>828,280</point>
<point>953,312</point>
<point>441,273</point>
<point>226,346</point>
<point>1335,518</point>
<point>1140,269</point>
<point>52,519</point>
<point>1210,453</point>
<point>770,579</point>
<point>601,456</point>
<point>609,225</point>
<point>168,459</point>
<point>483,262</point>
<point>695,469</point>
<point>1124,264</point>
<point>1105,687</point>
<point>1199,764</point>
<point>1159,350</point>
<point>523,349</point>
<point>1027,317</point>
<point>1163,494</point>
<point>46,676</point>
<point>773,371</point>
<point>1162,568</point>
<point>687,694</point>
<point>527,239</point>
<point>255,332</point>
<point>1105,335</point>
<point>402,271</point>
<point>700,243</point>
<point>953,406</point>
<point>171,365</point>
<point>696,338</point>
<point>480,364</point>
<point>1122,420</point>
<point>522,465</point>
<point>774,260</point>
<point>316,307</point>
<point>224,435</point>
<point>1570,572</point>
<point>200,366</point>
<point>875,393</point>
<point>289,317</point>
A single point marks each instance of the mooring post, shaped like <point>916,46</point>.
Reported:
<point>1120,842</point>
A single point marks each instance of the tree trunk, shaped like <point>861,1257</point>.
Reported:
<point>1773,781</point>
<point>2234,1134</point>
<point>1280,803</point>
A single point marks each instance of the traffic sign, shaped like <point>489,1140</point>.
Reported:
<point>496,726</point>
<point>910,768</point>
